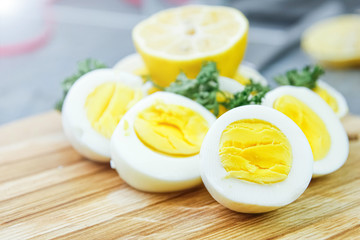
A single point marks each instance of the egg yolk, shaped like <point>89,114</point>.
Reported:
<point>153,90</point>
<point>107,104</point>
<point>141,71</point>
<point>171,129</point>
<point>241,79</point>
<point>330,100</point>
<point>309,122</point>
<point>222,97</point>
<point>256,151</point>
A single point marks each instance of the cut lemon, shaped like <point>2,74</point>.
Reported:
<point>334,42</point>
<point>181,39</point>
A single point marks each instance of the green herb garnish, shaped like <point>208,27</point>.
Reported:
<point>204,89</point>
<point>307,77</point>
<point>252,94</point>
<point>84,67</point>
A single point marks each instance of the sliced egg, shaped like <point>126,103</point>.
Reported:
<point>244,73</point>
<point>132,63</point>
<point>229,87</point>
<point>255,159</point>
<point>156,144</point>
<point>332,97</point>
<point>93,108</point>
<point>323,129</point>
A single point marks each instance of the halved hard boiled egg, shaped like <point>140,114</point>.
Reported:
<point>323,129</point>
<point>156,144</point>
<point>229,87</point>
<point>255,159</point>
<point>332,97</point>
<point>244,73</point>
<point>132,63</point>
<point>93,108</point>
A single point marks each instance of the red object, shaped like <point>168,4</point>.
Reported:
<point>138,3</point>
<point>35,42</point>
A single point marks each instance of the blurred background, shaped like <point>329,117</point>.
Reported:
<point>42,41</point>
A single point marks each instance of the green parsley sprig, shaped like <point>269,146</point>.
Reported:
<point>84,67</point>
<point>253,93</point>
<point>204,89</point>
<point>306,77</point>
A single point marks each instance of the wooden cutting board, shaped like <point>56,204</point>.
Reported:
<point>47,190</point>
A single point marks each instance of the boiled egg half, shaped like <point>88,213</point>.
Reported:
<point>93,108</point>
<point>132,63</point>
<point>155,147</point>
<point>255,159</point>
<point>229,87</point>
<point>332,97</point>
<point>323,129</point>
<point>244,73</point>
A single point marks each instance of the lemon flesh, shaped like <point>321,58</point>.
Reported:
<point>309,122</point>
<point>256,151</point>
<point>171,129</point>
<point>181,39</point>
<point>334,42</point>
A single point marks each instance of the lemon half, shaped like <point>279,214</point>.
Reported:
<point>334,42</point>
<point>181,39</point>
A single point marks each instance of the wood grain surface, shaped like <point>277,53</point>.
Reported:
<point>47,190</point>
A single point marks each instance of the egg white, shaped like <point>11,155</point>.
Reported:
<point>130,63</point>
<point>146,169</point>
<point>76,125</point>
<point>230,85</point>
<point>339,149</point>
<point>250,72</point>
<point>248,197</point>
<point>343,108</point>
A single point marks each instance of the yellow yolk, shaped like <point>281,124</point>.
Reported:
<point>330,100</point>
<point>171,129</point>
<point>255,150</point>
<point>241,79</point>
<point>222,98</point>
<point>107,104</point>
<point>222,110</point>
<point>141,72</point>
<point>153,90</point>
<point>309,122</point>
